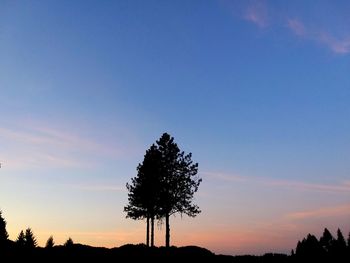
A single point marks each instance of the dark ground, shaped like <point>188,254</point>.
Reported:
<point>128,253</point>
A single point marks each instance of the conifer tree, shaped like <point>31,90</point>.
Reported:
<point>30,240</point>
<point>178,182</point>
<point>50,243</point>
<point>3,232</point>
<point>21,240</point>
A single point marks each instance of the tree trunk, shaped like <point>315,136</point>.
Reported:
<point>147,234</point>
<point>152,231</point>
<point>167,231</point>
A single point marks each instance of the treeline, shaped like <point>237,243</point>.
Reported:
<point>326,248</point>
<point>25,240</point>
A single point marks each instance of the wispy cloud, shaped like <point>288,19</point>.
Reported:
<point>51,137</point>
<point>263,15</point>
<point>38,145</point>
<point>296,26</point>
<point>99,188</point>
<point>339,46</point>
<point>336,45</point>
<point>257,13</point>
<point>332,211</point>
<point>342,187</point>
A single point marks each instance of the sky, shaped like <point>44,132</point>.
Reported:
<point>257,91</point>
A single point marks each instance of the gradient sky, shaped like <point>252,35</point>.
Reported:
<point>258,91</point>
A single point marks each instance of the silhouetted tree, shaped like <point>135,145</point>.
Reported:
<point>50,243</point>
<point>143,192</point>
<point>178,182</point>
<point>30,241</point>
<point>3,232</point>
<point>69,243</point>
<point>21,240</point>
<point>327,240</point>
<point>339,245</point>
<point>309,248</point>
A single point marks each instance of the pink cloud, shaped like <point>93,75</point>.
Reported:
<point>296,26</point>
<point>341,188</point>
<point>333,211</point>
<point>336,45</point>
<point>99,188</point>
<point>35,145</point>
<point>257,14</point>
<point>339,46</point>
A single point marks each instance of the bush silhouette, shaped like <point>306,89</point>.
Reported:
<point>69,243</point>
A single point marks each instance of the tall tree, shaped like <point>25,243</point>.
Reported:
<point>178,182</point>
<point>143,192</point>
<point>21,239</point>
<point>340,239</point>
<point>30,240</point>
<point>327,240</point>
<point>3,232</point>
<point>339,245</point>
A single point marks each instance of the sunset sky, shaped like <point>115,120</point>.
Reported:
<point>258,91</point>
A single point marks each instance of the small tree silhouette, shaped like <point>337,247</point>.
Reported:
<point>50,243</point>
<point>69,243</point>
<point>339,246</point>
<point>30,241</point>
<point>21,240</point>
<point>327,240</point>
<point>3,233</point>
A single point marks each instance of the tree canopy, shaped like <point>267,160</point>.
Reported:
<point>164,185</point>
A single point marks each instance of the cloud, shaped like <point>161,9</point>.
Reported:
<point>296,26</point>
<point>333,211</point>
<point>340,188</point>
<point>336,45</point>
<point>263,15</point>
<point>339,46</point>
<point>99,188</point>
<point>37,145</point>
<point>257,14</point>
<point>37,136</point>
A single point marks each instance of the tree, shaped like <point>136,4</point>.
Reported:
<point>20,241</point>
<point>143,191</point>
<point>178,182</point>
<point>339,245</point>
<point>50,243</point>
<point>30,241</point>
<point>69,243</point>
<point>165,184</point>
<point>327,240</point>
<point>340,239</point>
<point>3,233</point>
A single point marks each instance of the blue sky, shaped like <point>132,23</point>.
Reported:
<point>258,91</point>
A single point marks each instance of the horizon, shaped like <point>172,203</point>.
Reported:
<point>257,91</point>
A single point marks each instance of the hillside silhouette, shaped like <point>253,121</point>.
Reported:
<point>325,249</point>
